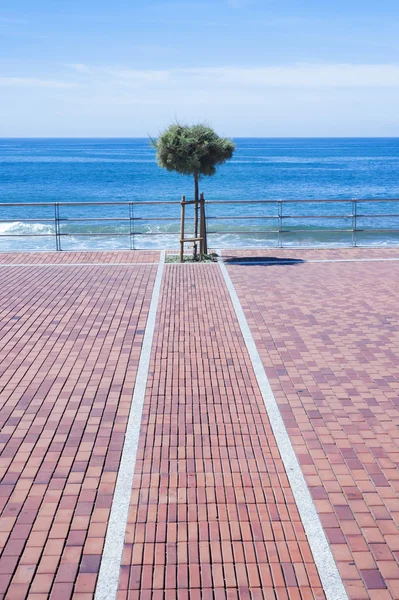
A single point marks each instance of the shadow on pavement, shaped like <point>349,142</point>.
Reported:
<point>261,260</point>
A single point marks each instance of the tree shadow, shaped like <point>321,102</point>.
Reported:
<point>262,260</point>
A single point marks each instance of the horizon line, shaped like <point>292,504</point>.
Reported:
<point>240,137</point>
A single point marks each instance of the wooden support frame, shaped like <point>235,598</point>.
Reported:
<point>204,245</point>
<point>198,220</point>
<point>183,212</point>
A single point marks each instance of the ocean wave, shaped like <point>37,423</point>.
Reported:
<point>77,236</point>
<point>17,227</point>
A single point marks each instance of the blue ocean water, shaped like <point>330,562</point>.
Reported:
<point>125,170</point>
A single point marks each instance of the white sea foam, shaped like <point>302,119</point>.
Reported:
<point>17,227</point>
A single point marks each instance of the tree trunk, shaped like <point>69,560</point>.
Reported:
<point>196,187</point>
<point>196,198</point>
<point>204,244</point>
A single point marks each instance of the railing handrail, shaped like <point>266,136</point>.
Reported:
<point>175,203</point>
<point>278,221</point>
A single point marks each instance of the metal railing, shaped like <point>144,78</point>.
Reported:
<point>282,228</point>
<point>276,221</point>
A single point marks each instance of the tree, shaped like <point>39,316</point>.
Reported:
<point>195,151</point>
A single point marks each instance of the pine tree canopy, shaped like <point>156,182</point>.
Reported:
<point>195,150</point>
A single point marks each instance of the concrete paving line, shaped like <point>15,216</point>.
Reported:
<point>328,571</point>
<point>138,264</point>
<point>108,579</point>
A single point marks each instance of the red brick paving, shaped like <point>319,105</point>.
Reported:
<point>117,257</point>
<point>328,335</point>
<point>212,514</point>
<point>70,341</point>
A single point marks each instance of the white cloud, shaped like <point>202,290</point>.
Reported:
<point>293,76</point>
<point>142,76</point>
<point>293,100</point>
<point>318,75</point>
<point>81,68</point>
<point>35,82</point>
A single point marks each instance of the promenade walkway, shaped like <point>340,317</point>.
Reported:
<point>191,432</point>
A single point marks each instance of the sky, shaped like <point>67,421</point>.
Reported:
<point>296,68</point>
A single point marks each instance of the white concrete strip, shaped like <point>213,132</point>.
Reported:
<point>299,261</point>
<point>108,579</point>
<point>331,580</point>
<point>138,264</point>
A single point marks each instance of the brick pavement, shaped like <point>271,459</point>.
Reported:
<point>62,258</point>
<point>70,341</point>
<point>328,335</point>
<point>212,515</point>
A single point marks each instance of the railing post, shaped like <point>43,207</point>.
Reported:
<point>131,224</point>
<point>280,223</point>
<point>196,207</point>
<point>354,223</point>
<point>204,242</point>
<point>183,211</point>
<point>57,226</point>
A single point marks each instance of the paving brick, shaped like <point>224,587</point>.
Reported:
<point>328,336</point>
<point>211,512</point>
<point>70,341</point>
<point>210,494</point>
<point>62,258</point>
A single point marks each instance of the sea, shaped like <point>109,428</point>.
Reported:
<point>270,194</point>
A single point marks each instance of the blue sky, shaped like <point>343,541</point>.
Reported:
<point>248,67</point>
